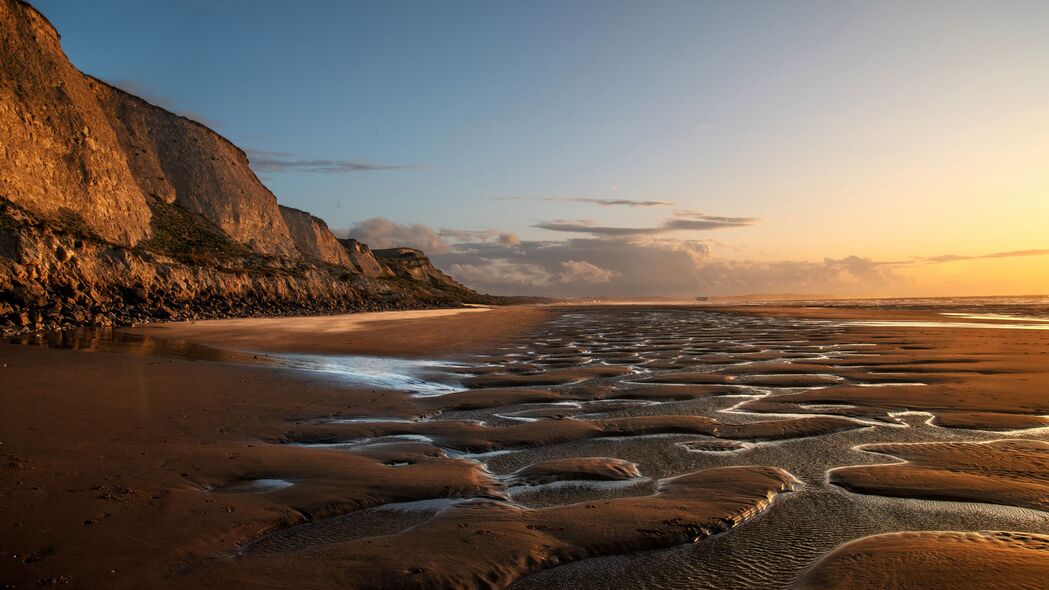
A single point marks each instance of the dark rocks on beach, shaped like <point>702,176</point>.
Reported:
<point>52,280</point>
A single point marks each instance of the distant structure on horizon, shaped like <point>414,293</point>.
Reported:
<point>702,298</point>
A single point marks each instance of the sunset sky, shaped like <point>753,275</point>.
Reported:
<point>615,148</point>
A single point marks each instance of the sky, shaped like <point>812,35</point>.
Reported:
<point>628,148</point>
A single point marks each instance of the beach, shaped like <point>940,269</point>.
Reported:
<point>524,295</point>
<point>532,446</point>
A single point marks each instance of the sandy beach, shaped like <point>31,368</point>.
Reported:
<point>427,333</point>
<point>111,456</point>
<point>570,444</point>
<point>524,295</point>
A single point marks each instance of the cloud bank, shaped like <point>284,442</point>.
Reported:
<point>640,261</point>
<point>622,265</point>
<point>379,232</point>
<point>673,268</point>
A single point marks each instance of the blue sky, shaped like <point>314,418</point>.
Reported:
<point>871,129</point>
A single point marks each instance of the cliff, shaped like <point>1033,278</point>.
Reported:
<point>363,260</point>
<point>114,210</point>
<point>412,265</point>
<point>313,239</point>
<point>60,155</point>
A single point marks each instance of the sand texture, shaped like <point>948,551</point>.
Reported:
<point>935,559</point>
<point>1011,472</point>
<point>533,447</point>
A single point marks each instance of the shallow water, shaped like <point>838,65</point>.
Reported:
<point>108,340</point>
<point>369,371</point>
<point>768,551</point>
<point>1027,325</point>
<point>1036,306</point>
<point>376,371</point>
<point>252,486</point>
<point>995,316</point>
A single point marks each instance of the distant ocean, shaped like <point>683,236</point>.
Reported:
<point>1026,307</point>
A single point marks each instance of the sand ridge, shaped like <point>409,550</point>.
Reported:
<point>935,559</point>
<point>489,544</point>
<point>1011,472</point>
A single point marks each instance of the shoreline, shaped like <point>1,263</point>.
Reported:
<point>121,449</point>
<point>118,462</point>
<point>432,333</point>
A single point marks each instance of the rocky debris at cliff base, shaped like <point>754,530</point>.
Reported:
<point>56,276</point>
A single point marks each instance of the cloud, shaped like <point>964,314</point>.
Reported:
<point>681,221</point>
<point>267,161</point>
<point>587,227</point>
<point>527,276</point>
<point>1010,254</point>
<point>581,271</point>
<point>502,273</point>
<point>509,239</point>
<point>379,232</point>
<point>697,250</point>
<point>141,90</point>
<point>646,266</point>
<point>484,235</point>
<point>693,220</point>
<point>594,201</point>
<point>622,266</point>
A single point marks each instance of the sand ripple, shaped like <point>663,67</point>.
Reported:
<point>935,559</point>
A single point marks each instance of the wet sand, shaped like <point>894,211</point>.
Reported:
<point>553,447</point>
<point>1008,561</point>
<point>1010,472</point>
<point>491,544</point>
<point>111,458</point>
<point>428,333</point>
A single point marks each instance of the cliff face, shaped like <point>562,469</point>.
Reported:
<point>312,237</point>
<point>115,210</point>
<point>78,146</point>
<point>363,260</point>
<point>60,155</point>
<point>181,161</point>
<point>413,265</point>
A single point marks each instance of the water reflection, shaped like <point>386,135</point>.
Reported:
<point>420,377</point>
<point>116,341</point>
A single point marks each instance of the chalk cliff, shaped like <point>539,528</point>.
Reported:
<point>114,210</point>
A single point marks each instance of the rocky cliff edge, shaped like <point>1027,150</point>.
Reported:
<point>114,211</point>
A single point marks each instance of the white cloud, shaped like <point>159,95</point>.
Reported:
<point>581,271</point>
<point>379,232</point>
<point>501,273</point>
<point>622,266</point>
<point>483,235</point>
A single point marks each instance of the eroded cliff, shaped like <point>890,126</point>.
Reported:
<point>114,210</point>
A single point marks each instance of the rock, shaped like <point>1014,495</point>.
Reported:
<point>141,214</point>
